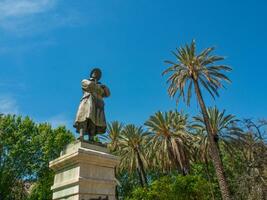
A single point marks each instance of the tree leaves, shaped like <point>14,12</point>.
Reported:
<point>25,151</point>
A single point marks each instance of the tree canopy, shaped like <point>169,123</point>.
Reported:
<point>25,151</point>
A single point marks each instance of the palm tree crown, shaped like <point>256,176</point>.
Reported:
<point>224,128</point>
<point>190,67</point>
<point>131,150</point>
<point>170,140</point>
<point>114,132</point>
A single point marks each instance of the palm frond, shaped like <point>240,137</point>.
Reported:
<point>190,66</point>
<point>169,139</point>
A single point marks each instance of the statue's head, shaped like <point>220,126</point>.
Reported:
<point>96,74</point>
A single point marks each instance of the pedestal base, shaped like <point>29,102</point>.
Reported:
<point>84,172</point>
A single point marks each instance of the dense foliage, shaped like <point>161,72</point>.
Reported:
<point>175,188</point>
<point>242,147</point>
<point>25,151</point>
<point>27,147</point>
<point>230,153</point>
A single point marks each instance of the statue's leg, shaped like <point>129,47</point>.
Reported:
<point>81,134</point>
<point>92,133</point>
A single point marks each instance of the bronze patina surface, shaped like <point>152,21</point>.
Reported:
<point>90,118</point>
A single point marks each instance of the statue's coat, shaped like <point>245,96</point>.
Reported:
<point>91,109</point>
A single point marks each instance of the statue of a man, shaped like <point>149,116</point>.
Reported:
<point>90,118</point>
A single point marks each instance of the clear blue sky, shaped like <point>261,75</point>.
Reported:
<point>48,46</point>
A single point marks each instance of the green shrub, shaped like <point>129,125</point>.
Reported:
<point>174,188</point>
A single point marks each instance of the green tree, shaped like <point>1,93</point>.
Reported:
<point>17,154</point>
<point>128,181</point>
<point>114,132</point>
<point>249,170</point>
<point>25,151</point>
<point>49,144</point>
<point>170,141</point>
<point>132,151</point>
<point>175,188</point>
<point>201,72</point>
<point>225,130</point>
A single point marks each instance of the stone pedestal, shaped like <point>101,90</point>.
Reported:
<point>84,172</point>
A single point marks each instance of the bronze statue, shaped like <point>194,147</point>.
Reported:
<point>90,118</point>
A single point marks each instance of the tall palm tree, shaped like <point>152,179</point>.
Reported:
<point>170,140</point>
<point>201,72</point>
<point>131,150</point>
<point>226,131</point>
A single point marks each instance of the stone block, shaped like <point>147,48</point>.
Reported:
<point>84,172</point>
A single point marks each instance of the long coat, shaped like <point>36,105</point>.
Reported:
<point>91,113</point>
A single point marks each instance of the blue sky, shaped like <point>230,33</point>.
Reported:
<point>48,46</point>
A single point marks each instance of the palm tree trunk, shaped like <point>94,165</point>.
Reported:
<point>142,170</point>
<point>140,177</point>
<point>173,157</point>
<point>186,164</point>
<point>213,147</point>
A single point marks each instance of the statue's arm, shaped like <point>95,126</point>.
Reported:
<point>87,85</point>
<point>106,91</point>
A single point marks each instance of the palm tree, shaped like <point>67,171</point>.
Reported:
<point>131,150</point>
<point>201,72</point>
<point>114,131</point>
<point>224,129</point>
<point>112,139</point>
<point>170,140</point>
